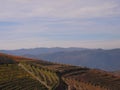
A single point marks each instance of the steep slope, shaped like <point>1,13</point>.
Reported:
<point>14,75</point>
<point>30,74</point>
<point>5,59</point>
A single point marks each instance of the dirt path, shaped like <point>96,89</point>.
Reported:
<point>62,85</point>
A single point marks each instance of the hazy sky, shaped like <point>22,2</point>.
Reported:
<point>59,23</point>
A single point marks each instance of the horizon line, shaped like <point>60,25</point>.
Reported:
<point>60,47</point>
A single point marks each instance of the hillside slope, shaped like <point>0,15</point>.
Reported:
<point>93,58</point>
<point>30,74</point>
<point>102,59</point>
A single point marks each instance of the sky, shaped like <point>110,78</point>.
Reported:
<point>59,23</point>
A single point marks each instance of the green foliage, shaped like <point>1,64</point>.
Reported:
<point>12,77</point>
<point>22,84</point>
<point>46,76</point>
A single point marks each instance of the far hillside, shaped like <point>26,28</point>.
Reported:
<point>93,58</point>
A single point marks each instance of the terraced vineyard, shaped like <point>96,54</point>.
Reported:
<point>16,75</point>
<point>92,80</point>
<point>82,78</point>
<point>13,77</point>
<point>11,71</point>
<point>46,77</point>
<point>19,73</point>
<point>22,84</point>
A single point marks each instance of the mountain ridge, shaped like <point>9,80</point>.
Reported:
<point>43,50</point>
<point>93,58</point>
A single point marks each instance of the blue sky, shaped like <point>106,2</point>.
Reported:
<point>59,23</point>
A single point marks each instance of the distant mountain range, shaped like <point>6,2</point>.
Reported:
<point>93,58</point>
<point>36,51</point>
